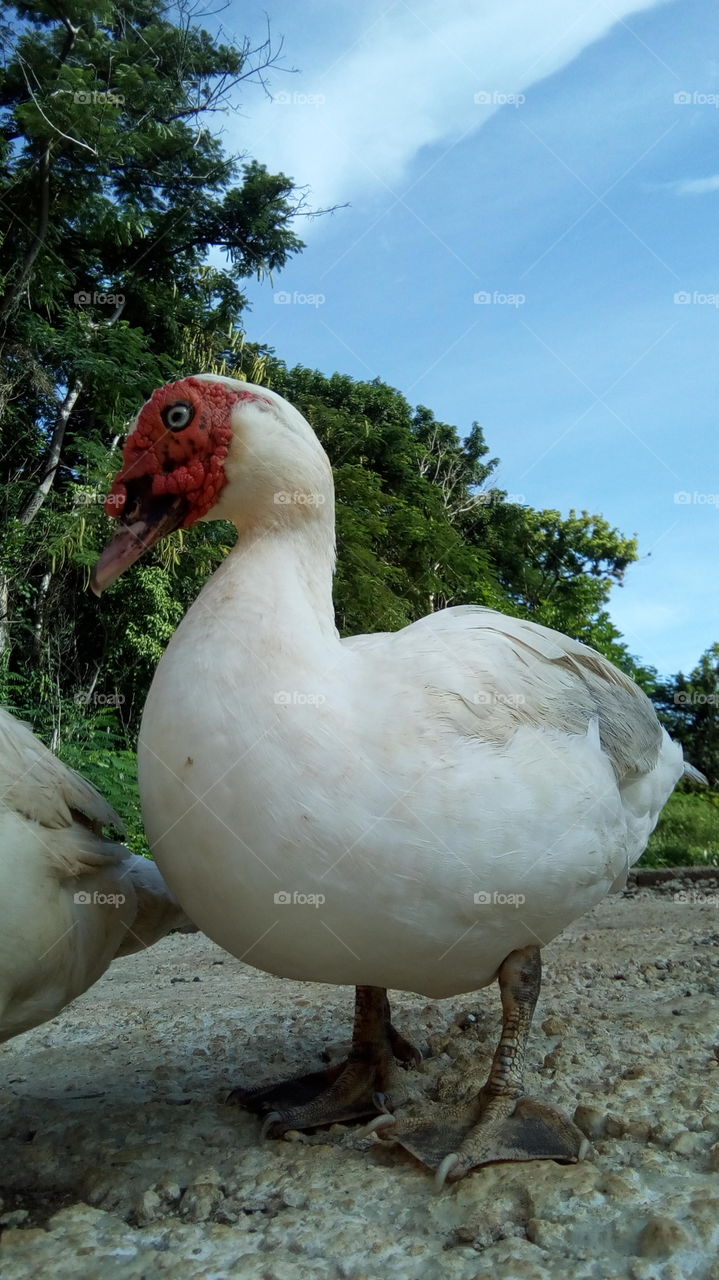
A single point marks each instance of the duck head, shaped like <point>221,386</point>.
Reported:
<point>212,448</point>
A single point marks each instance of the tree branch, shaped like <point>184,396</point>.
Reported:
<point>13,294</point>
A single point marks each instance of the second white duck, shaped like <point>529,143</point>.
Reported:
<point>71,901</point>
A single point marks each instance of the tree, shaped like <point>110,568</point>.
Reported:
<point>113,191</point>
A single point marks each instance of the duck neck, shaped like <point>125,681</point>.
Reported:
<point>277,580</point>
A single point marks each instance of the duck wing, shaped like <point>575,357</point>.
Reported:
<point>66,812</point>
<point>491,674</point>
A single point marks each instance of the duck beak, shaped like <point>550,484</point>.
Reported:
<point>143,525</point>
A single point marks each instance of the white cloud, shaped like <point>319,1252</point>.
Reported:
<point>406,78</point>
<point>696,186</point>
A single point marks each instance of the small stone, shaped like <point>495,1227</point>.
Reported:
<point>545,1234</point>
<point>438,1044</point>
<point>168,1189</point>
<point>293,1198</point>
<point>464,1020</point>
<point>198,1207</point>
<point>203,1198</point>
<point>82,1217</point>
<point>685,1143</point>
<point>591,1122</point>
<point>639,1130</point>
<point>704,1213</point>
<point>615,1187</point>
<point>616,1127</point>
<point>466,1235</point>
<point>714,1158</point>
<point>661,1237</point>
<point>148,1207</point>
<point>554,1027</point>
<point>14,1217</point>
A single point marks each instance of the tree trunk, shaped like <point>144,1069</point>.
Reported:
<point>4,619</point>
<point>40,610</point>
<point>58,436</point>
<point>53,458</point>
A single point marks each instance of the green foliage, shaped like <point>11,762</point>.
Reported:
<point>687,833</point>
<point>689,706</point>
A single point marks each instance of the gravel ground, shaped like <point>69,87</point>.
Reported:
<point>119,1158</point>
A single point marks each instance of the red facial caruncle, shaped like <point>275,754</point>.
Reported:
<point>173,469</point>
<point>179,445</point>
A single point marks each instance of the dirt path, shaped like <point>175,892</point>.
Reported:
<point>119,1159</point>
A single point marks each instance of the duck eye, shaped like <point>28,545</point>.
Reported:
<point>178,415</point>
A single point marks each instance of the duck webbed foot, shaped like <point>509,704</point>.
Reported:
<point>350,1090</point>
<point>500,1122</point>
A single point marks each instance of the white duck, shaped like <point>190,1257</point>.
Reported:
<point>70,900</point>
<point>449,797</point>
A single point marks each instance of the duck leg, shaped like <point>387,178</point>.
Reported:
<point>350,1090</point>
<point>500,1123</point>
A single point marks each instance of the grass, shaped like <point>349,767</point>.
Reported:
<point>687,834</point>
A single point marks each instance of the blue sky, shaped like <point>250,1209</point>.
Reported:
<point>579,186</point>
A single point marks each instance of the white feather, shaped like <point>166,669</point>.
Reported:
<point>70,900</point>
